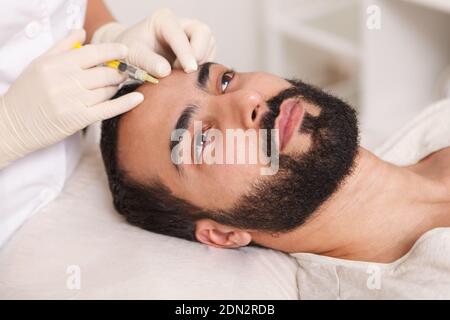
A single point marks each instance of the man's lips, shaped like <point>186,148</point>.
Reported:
<point>290,118</point>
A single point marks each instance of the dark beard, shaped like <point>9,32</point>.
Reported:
<point>304,182</point>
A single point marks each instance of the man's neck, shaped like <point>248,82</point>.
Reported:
<point>377,215</point>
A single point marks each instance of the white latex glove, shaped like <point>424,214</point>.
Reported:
<point>60,93</point>
<point>162,40</point>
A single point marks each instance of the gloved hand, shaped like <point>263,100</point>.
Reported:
<point>161,41</point>
<point>60,93</point>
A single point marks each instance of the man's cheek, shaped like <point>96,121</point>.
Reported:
<point>273,86</point>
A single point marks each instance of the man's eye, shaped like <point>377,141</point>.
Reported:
<point>226,79</point>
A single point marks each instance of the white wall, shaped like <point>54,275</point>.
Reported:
<point>236,24</point>
<point>402,63</point>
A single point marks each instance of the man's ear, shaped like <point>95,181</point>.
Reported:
<point>217,235</point>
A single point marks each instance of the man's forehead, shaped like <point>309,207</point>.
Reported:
<point>169,85</point>
<point>145,130</point>
<point>173,92</point>
<point>177,88</point>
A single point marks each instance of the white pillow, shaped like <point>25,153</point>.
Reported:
<point>80,231</point>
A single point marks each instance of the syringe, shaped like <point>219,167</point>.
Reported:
<point>132,71</point>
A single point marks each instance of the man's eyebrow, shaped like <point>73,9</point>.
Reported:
<point>203,75</point>
<point>185,118</point>
<point>183,123</point>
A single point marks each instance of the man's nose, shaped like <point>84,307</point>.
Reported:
<point>249,106</point>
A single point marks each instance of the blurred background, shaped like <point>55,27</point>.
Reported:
<point>388,58</point>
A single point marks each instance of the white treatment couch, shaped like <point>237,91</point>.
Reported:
<point>116,260</point>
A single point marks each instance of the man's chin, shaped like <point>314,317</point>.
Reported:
<point>298,145</point>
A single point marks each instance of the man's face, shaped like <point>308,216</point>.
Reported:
<point>312,137</point>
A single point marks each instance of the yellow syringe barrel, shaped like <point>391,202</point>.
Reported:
<point>132,71</point>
